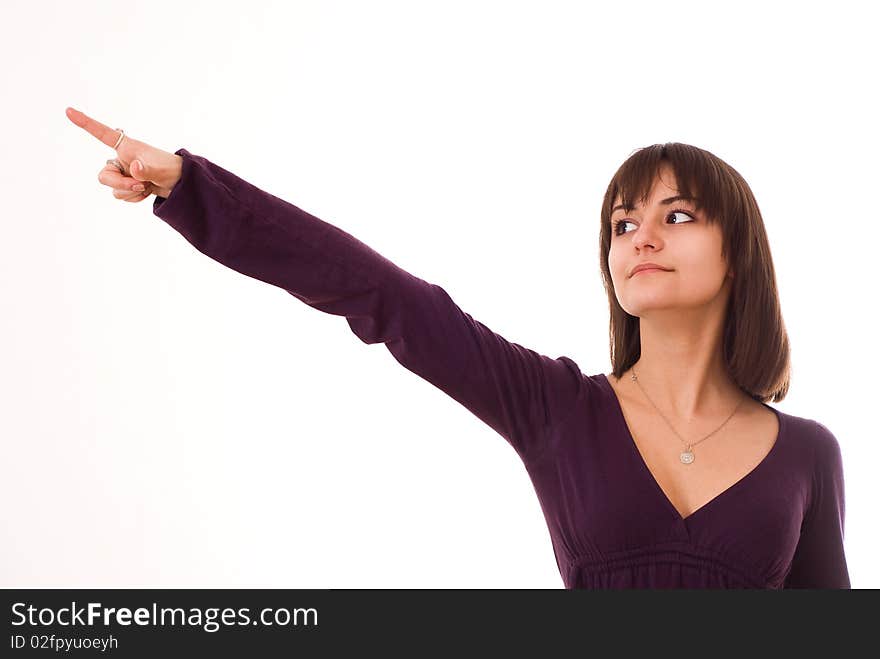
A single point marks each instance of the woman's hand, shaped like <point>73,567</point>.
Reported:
<point>158,172</point>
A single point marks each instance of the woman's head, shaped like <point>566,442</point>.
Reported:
<point>713,242</point>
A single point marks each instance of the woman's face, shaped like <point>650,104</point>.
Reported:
<point>672,235</point>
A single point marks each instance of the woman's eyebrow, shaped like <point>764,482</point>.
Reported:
<point>663,202</point>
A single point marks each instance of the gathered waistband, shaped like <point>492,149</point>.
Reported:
<point>669,553</point>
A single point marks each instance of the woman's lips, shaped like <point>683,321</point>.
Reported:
<point>647,270</point>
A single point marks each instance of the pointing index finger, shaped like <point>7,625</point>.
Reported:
<point>104,133</point>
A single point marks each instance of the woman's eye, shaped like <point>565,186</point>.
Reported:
<point>618,223</point>
<point>680,213</point>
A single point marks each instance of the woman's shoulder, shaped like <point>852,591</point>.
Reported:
<point>812,438</point>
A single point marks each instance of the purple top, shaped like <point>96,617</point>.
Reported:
<point>610,523</point>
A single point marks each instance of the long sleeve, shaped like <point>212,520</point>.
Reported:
<point>819,560</point>
<point>516,391</point>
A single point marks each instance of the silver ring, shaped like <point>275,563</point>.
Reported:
<point>115,162</point>
<point>121,135</point>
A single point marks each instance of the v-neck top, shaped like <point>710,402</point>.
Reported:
<point>611,525</point>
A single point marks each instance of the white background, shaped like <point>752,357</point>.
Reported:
<point>166,421</point>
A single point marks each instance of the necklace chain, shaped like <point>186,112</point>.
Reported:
<point>687,456</point>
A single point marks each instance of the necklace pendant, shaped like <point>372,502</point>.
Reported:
<point>686,457</point>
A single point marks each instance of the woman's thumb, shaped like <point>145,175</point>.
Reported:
<point>138,170</point>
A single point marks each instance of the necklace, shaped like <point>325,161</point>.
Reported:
<point>686,456</point>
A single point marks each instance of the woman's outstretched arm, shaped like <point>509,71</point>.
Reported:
<point>516,391</point>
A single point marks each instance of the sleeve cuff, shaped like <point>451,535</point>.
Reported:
<point>167,204</point>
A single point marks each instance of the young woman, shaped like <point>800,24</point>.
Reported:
<point>669,472</point>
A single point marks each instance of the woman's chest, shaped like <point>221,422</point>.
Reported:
<point>721,457</point>
<point>610,486</point>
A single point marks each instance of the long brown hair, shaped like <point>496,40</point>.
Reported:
<point>755,343</point>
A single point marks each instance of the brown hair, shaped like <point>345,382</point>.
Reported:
<point>754,343</point>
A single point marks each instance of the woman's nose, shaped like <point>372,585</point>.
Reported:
<point>646,234</point>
